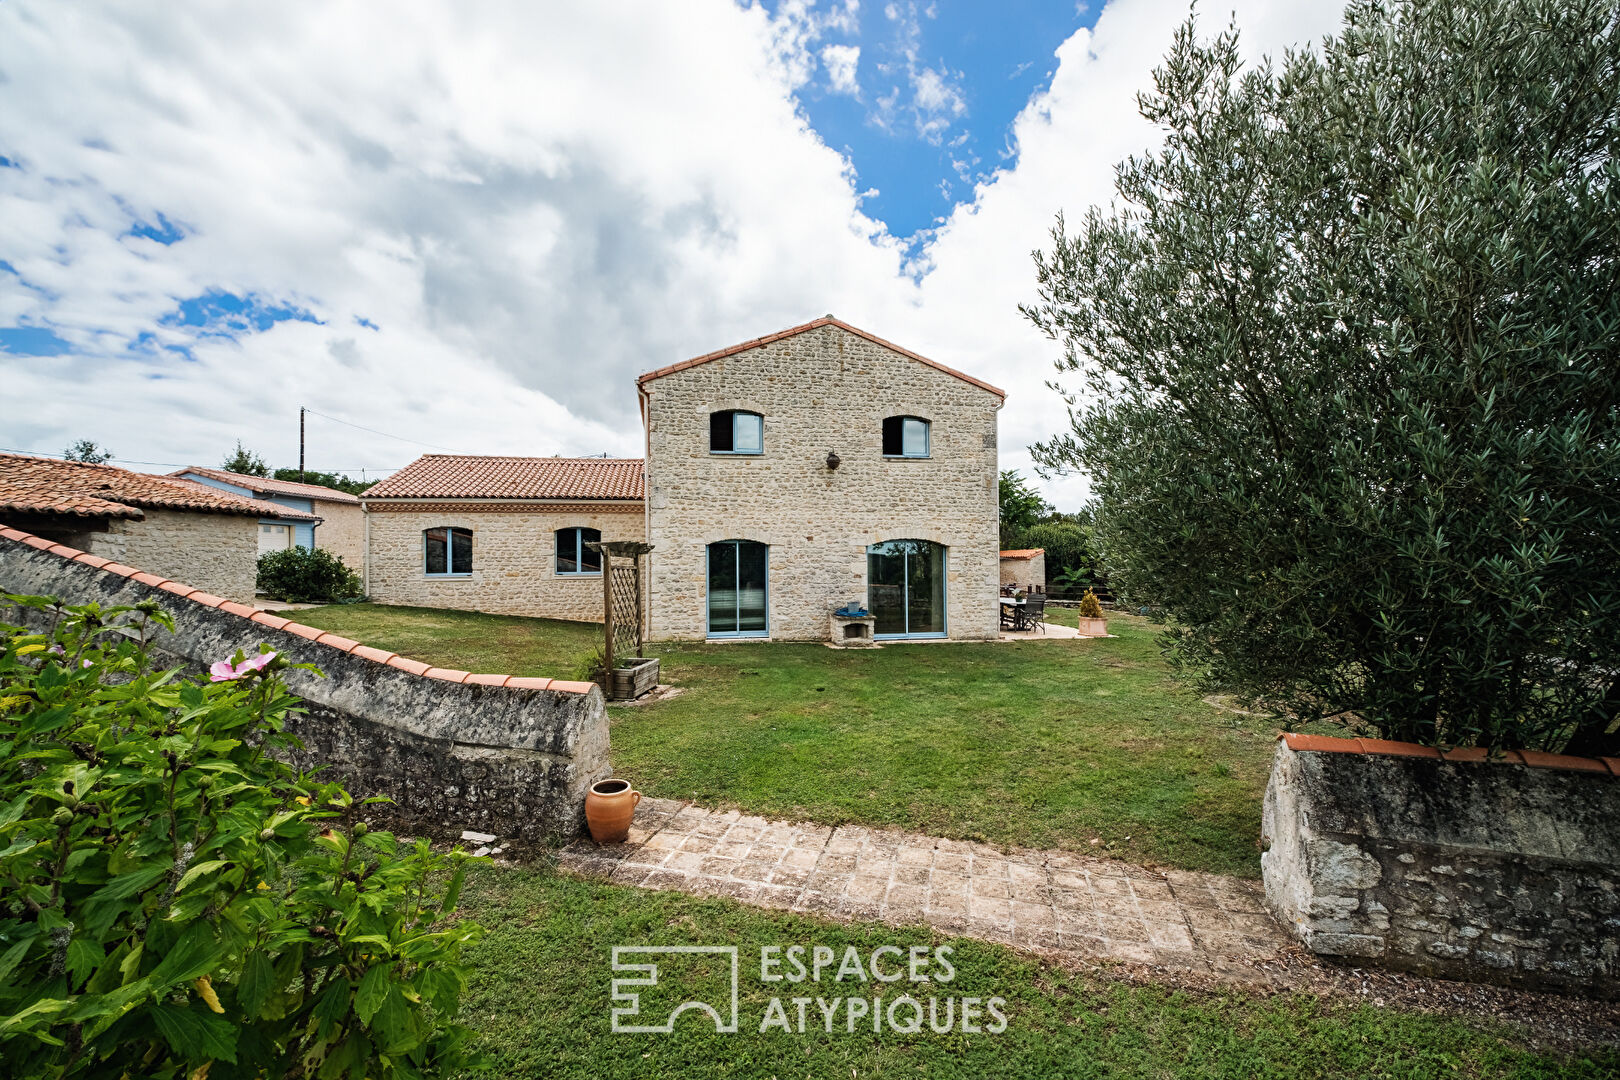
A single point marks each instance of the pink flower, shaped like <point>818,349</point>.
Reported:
<point>225,671</point>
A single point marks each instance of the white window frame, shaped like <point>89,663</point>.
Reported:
<point>579,552</point>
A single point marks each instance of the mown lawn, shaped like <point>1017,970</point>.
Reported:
<point>1040,744</point>
<point>540,1000</point>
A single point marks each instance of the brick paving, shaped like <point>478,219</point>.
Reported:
<point>1058,901</point>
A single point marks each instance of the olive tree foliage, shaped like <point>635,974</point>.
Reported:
<point>1350,392</point>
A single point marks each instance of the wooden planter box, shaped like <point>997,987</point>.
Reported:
<point>1093,627</point>
<point>629,683</point>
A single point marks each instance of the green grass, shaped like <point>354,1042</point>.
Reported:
<point>462,640</point>
<point>540,1000</point>
<point>1049,744</point>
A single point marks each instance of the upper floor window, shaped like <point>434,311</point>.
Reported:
<point>733,431</point>
<point>905,436</point>
<point>573,557</point>
<point>447,552</point>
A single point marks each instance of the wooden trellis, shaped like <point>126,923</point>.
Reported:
<point>623,618</point>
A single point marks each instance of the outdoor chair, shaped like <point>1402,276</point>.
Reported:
<point>1035,612</point>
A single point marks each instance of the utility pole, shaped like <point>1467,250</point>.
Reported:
<point>300,444</point>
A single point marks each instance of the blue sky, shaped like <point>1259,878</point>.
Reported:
<point>472,226</point>
<point>927,111</point>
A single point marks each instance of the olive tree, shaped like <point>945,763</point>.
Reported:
<point>1350,391</point>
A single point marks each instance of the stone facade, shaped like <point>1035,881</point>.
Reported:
<point>342,532</point>
<point>819,390</point>
<point>217,553</point>
<point>514,569</point>
<point>1490,871</point>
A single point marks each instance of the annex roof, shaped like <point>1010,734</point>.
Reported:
<point>468,476</point>
<point>1022,553</point>
<point>49,486</point>
<point>273,487</point>
<point>826,320</point>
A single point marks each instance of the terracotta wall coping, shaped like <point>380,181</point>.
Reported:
<point>274,622</point>
<point>1535,759</point>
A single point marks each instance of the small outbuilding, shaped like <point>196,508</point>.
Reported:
<point>1024,567</point>
<point>167,526</point>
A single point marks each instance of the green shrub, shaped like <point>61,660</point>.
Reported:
<point>174,902</point>
<point>306,575</point>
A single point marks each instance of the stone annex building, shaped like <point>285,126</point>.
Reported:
<point>784,477</point>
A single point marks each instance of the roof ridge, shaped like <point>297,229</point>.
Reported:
<point>814,324</point>
<point>275,622</point>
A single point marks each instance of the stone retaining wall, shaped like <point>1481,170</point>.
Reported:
<point>1448,864</point>
<point>498,753</point>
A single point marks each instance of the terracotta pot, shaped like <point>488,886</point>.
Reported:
<point>1093,627</point>
<point>609,806</point>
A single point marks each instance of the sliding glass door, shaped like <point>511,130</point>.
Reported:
<point>905,588</point>
<point>737,594</point>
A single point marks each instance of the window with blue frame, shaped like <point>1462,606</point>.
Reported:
<point>905,437</point>
<point>573,557</point>
<point>733,431</point>
<point>447,552</point>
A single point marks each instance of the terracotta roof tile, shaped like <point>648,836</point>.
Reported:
<point>458,476</point>
<point>272,487</point>
<point>48,486</point>
<point>816,324</point>
<point>1022,553</point>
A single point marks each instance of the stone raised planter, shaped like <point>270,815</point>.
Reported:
<point>630,682</point>
<point>1093,627</point>
<point>1396,855</point>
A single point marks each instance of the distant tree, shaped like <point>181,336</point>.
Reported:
<point>339,481</point>
<point>88,452</point>
<point>245,461</point>
<point>1021,505</point>
<point>1350,346</point>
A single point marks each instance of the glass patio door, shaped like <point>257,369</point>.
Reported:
<point>737,590</point>
<point>905,588</point>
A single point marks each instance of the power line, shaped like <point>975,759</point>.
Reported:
<point>384,434</point>
<point>194,465</point>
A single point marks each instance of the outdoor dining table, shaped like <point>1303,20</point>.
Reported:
<point>1014,602</point>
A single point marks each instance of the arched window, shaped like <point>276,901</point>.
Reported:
<point>733,431</point>
<point>573,557</point>
<point>905,436</point>
<point>447,552</point>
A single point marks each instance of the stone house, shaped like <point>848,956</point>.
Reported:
<point>1024,567</point>
<point>499,534</point>
<point>784,477</point>
<point>340,530</point>
<point>167,526</point>
<point>796,472</point>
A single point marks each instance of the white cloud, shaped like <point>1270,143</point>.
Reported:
<point>532,203</point>
<point>841,62</point>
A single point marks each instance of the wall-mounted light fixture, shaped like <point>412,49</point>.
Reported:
<point>833,460</point>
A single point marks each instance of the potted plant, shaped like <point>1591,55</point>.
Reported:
<point>1092,623</point>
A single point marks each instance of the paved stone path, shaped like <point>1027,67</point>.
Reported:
<point>1095,909</point>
